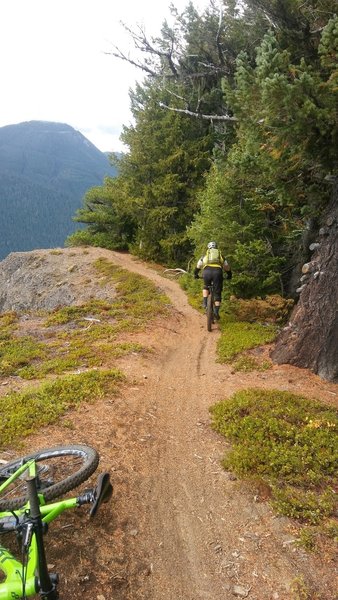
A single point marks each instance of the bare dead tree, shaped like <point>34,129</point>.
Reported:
<point>224,118</point>
<point>162,65</point>
<point>218,37</point>
<point>144,45</point>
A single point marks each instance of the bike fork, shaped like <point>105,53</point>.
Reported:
<point>47,582</point>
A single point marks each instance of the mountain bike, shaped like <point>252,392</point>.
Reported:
<point>26,486</point>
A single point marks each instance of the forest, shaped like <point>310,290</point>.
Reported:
<point>33,215</point>
<point>234,138</point>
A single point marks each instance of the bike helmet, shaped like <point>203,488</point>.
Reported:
<point>212,245</point>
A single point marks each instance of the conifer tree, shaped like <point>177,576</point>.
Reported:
<point>273,179</point>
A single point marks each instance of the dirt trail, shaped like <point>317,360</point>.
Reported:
<point>181,528</point>
<point>201,533</point>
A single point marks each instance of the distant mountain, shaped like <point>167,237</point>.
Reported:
<point>45,170</point>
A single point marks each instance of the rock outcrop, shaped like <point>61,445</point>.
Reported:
<point>47,279</point>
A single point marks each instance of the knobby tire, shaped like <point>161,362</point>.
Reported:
<point>82,460</point>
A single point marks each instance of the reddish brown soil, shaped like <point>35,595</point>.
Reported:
<point>179,527</point>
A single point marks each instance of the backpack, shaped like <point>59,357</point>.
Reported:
<point>213,257</point>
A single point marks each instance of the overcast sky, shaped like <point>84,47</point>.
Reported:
<point>54,65</point>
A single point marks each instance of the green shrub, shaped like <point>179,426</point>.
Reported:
<point>271,309</point>
<point>22,413</point>
<point>287,441</point>
<point>17,352</point>
<point>193,289</point>
<point>238,336</point>
<point>8,325</point>
<point>249,363</point>
<point>305,505</point>
<point>307,538</point>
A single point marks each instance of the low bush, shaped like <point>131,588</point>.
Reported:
<point>238,336</point>
<point>22,413</point>
<point>287,441</point>
<point>271,309</point>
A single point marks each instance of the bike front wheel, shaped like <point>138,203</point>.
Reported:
<point>59,470</point>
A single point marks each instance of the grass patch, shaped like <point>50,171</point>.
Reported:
<point>83,336</point>
<point>299,590</point>
<point>137,301</point>
<point>288,442</point>
<point>316,538</point>
<point>22,413</point>
<point>310,537</point>
<point>18,352</point>
<point>137,297</point>
<point>8,318</point>
<point>239,336</point>
<point>120,349</point>
<point>57,366</point>
<point>73,337</point>
<point>66,314</point>
<point>8,324</point>
<point>246,364</point>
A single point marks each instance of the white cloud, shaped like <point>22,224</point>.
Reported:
<point>54,65</point>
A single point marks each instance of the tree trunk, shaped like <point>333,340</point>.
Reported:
<point>303,255</point>
<point>311,338</point>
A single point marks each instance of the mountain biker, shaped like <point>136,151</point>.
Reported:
<point>213,265</point>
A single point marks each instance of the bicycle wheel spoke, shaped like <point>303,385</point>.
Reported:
<point>58,471</point>
<point>18,487</point>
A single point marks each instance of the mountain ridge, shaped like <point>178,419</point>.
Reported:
<point>45,170</point>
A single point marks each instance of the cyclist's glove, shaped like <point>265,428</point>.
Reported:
<point>229,275</point>
<point>196,273</point>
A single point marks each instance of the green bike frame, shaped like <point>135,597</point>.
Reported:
<point>14,586</point>
<point>31,576</point>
